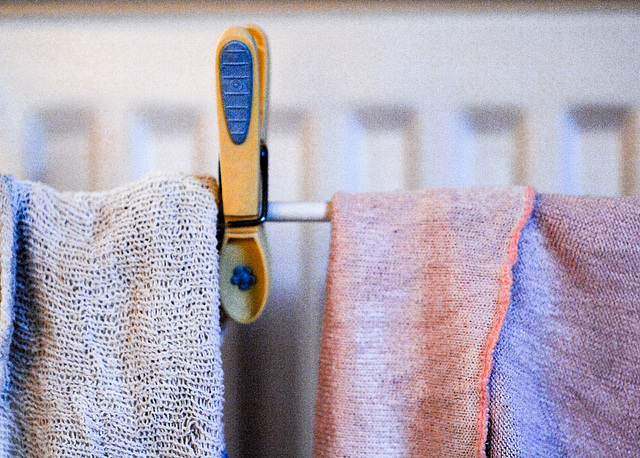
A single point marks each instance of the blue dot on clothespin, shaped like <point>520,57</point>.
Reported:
<point>243,277</point>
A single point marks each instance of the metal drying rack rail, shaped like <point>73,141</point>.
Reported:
<point>310,212</point>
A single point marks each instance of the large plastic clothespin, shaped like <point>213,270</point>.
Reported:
<point>242,80</point>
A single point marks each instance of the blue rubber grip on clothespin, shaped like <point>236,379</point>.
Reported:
<point>236,77</point>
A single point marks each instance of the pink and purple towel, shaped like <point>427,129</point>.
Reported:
<point>481,322</point>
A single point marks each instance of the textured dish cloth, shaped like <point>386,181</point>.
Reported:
<point>110,338</point>
<point>417,289</point>
<point>566,379</point>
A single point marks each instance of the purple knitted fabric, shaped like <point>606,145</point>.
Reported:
<point>566,374</point>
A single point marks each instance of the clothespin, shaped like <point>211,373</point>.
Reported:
<point>242,83</point>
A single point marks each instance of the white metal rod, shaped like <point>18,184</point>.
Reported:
<point>299,211</point>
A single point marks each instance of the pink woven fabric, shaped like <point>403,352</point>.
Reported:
<point>417,289</point>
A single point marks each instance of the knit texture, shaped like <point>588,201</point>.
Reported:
<point>566,379</point>
<point>109,321</point>
<point>417,288</point>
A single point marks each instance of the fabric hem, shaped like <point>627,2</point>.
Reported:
<point>504,297</point>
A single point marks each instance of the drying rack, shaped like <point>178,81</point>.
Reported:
<point>242,84</point>
<point>299,211</point>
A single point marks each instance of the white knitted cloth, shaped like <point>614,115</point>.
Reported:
<point>109,320</point>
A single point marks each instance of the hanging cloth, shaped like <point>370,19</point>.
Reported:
<point>417,289</point>
<point>566,378</point>
<point>109,320</point>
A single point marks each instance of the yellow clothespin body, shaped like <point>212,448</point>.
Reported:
<point>242,79</point>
